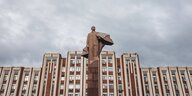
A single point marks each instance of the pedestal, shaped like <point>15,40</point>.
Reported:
<point>93,79</point>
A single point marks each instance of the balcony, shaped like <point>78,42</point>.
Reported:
<point>110,64</point>
<point>77,81</point>
<point>23,91</point>
<point>105,81</point>
<point>12,90</point>
<point>14,81</point>
<point>34,90</point>
<point>2,90</point>
<point>167,91</point>
<point>72,65</point>
<point>110,81</point>
<point>110,72</point>
<point>104,64</point>
<point>77,90</point>
<point>104,72</point>
<point>119,82</point>
<point>78,65</point>
<point>71,81</point>
<point>71,72</point>
<point>105,90</point>
<point>78,72</point>
<point>111,90</point>
<point>4,81</point>
<point>70,90</point>
<point>120,90</point>
<point>25,82</point>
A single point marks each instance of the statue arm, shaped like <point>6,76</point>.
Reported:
<point>86,49</point>
<point>87,45</point>
<point>105,38</point>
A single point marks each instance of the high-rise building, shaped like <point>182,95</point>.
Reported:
<point>119,76</point>
<point>19,81</point>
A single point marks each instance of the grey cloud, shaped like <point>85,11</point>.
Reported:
<point>158,30</point>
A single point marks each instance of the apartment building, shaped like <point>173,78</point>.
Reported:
<point>119,76</point>
<point>129,75</point>
<point>167,81</point>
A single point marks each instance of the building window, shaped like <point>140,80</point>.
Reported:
<point>104,94</point>
<point>111,94</point>
<point>78,61</point>
<point>175,85</point>
<point>6,72</point>
<point>190,71</point>
<point>71,86</point>
<point>104,77</point>
<point>26,78</point>
<point>61,92</point>
<point>77,86</point>
<point>72,61</point>
<point>146,87</point>
<point>182,72</point>
<point>103,61</point>
<point>185,86</point>
<point>173,72</point>
<point>168,94</point>
<point>183,78</point>
<point>145,77</point>
<point>77,94</point>
<point>110,77</point>
<point>77,77</point>
<point>16,73</point>
<point>71,77</point>
<point>110,68</point>
<point>164,78</point>
<point>119,77</point>
<point>70,94</point>
<point>166,87</point>
<point>78,68</point>
<point>110,59</point>
<point>104,69</point>
<point>154,78</point>
<point>127,61</point>
<point>71,69</point>
<point>110,86</point>
<point>104,86</point>
<point>164,72</point>
<point>174,78</point>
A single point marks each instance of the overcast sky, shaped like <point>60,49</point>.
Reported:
<point>160,31</point>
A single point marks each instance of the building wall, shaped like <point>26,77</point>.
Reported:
<point>25,81</point>
<point>108,74</point>
<point>122,76</point>
<point>34,82</point>
<point>131,74</point>
<point>151,82</point>
<point>62,78</point>
<point>50,74</point>
<point>189,71</point>
<point>75,74</point>
<point>184,80</point>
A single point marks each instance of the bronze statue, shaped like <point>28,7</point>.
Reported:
<point>95,43</point>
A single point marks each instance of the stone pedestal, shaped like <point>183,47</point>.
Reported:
<point>93,79</point>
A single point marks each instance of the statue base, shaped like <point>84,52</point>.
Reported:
<point>93,79</point>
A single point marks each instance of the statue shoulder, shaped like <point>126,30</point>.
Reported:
<point>101,34</point>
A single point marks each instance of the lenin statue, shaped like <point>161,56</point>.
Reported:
<point>95,43</point>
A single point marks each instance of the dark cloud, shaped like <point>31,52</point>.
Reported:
<point>159,30</point>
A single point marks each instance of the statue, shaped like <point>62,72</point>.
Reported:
<point>95,43</point>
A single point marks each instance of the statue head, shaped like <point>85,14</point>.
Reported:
<point>93,28</point>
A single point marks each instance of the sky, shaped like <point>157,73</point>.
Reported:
<point>160,31</point>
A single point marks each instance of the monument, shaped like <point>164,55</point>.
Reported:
<point>95,43</point>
